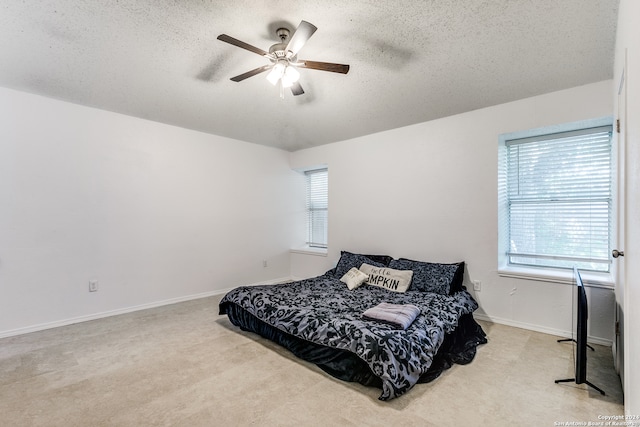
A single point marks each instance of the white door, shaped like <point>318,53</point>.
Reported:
<point>619,264</point>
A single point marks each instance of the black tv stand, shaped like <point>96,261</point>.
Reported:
<point>571,339</point>
<point>581,312</point>
<point>572,380</point>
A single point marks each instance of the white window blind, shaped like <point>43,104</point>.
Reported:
<point>317,207</point>
<point>559,199</point>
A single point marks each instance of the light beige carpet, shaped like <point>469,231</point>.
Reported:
<point>184,365</point>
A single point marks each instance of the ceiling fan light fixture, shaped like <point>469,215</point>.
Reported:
<point>276,73</point>
<point>282,71</point>
<point>291,75</point>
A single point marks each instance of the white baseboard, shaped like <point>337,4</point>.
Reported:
<point>101,315</point>
<point>537,328</point>
<point>116,312</point>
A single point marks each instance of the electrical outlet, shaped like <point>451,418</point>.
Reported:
<point>477,285</point>
<point>93,285</point>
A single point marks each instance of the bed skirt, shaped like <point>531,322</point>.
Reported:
<point>458,347</point>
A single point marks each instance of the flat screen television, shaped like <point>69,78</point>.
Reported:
<point>581,313</point>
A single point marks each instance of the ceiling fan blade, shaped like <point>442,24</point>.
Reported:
<point>243,45</point>
<point>251,73</point>
<point>296,89</point>
<point>304,31</point>
<point>324,66</point>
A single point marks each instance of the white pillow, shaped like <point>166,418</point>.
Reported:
<point>388,278</point>
<point>354,278</point>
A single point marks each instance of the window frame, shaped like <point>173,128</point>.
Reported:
<point>541,273</point>
<point>312,195</point>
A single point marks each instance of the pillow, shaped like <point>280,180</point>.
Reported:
<point>444,279</point>
<point>354,278</point>
<point>382,259</point>
<point>456,284</point>
<point>349,260</point>
<point>388,278</point>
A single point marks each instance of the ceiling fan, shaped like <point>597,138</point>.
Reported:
<point>284,60</point>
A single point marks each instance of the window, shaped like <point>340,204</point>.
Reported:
<point>555,194</point>
<point>317,207</point>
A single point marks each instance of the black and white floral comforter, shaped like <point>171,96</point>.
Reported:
<point>322,310</point>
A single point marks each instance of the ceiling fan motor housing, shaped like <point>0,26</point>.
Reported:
<point>279,50</point>
<point>283,34</point>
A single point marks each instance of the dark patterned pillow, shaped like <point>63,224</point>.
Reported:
<point>456,284</point>
<point>349,260</point>
<point>382,259</point>
<point>443,279</point>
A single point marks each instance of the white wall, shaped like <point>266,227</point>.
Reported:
<point>627,44</point>
<point>154,212</point>
<point>429,192</point>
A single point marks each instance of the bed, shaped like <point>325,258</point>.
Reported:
<point>321,321</point>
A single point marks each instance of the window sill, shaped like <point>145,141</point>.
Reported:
<point>565,277</point>
<point>306,250</point>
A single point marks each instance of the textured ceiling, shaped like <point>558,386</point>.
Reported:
<point>411,61</point>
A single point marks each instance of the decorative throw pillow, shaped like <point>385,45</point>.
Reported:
<point>354,278</point>
<point>432,277</point>
<point>388,278</point>
<point>348,261</point>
